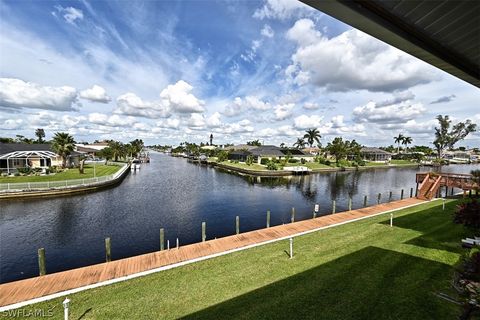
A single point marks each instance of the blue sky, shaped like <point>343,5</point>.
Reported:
<point>170,71</point>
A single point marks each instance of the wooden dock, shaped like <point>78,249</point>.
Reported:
<point>28,289</point>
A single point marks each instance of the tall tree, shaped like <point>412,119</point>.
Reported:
<point>117,149</point>
<point>406,141</point>
<point>446,138</point>
<point>63,144</point>
<point>40,134</point>
<point>300,144</point>
<point>312,135</point>
<point>338,148</point>
<point>137,146</point>
<point>398,141</point>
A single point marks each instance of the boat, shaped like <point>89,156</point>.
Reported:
<point>135,165</point>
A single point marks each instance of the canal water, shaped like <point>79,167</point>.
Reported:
<point>173,194</point>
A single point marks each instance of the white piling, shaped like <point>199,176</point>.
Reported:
<point>66,302</point>
<point>391,219</point>
<point>168,244</point>
<point>178,244</point>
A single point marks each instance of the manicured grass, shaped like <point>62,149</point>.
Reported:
<point>100,170</point>
<point>403,162</point>
<point>253,166</point>
<point>313,165</point>
<point>360,270</point>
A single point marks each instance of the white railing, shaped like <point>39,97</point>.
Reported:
<point>19,186</point>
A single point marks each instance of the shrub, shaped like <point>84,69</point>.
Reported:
<point>303,161</point>
<point>271,165</point>
<point>264,161</point>
<point>25,170</point>
<point>327,162</point>
<point>222,156</point>
<point>468,214</point>
<point>343,163</point>
<point>293,161</point>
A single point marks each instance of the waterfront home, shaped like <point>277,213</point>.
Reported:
<point>375,155</point>
<point>269,152</point>
<point>312,150</point>
<point>14,156</point>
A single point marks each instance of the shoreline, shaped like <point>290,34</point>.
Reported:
<point>65,191</point>
<point>286,173</point>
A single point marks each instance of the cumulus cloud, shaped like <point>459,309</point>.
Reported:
<point>243,126</point>
<point>70,14</point>
<point>267,31</point>
<point>239,105</point>
<point>444,99</point>
<point>11,124</point>
<point>111,120</point>
<point>394,113</point>
<point>178,98</point>
<point>95,94</point>
<point>352,60</point>
<point>283,111</point>
<point>175,98</point>
<point>170,123</point>
<point>18,94</point>
<point>281,9</point>
<point>307,122</point>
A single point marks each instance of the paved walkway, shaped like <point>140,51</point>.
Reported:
<point>23,290</point>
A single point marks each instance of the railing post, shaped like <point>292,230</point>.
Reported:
<point>237,224</point>
<point>268,218</point>
<point>293,215</point>
<point>204,231</point>
<point>41,262</point>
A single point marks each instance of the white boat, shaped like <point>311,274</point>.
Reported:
<point>459,161</point>
<point>135,165</point>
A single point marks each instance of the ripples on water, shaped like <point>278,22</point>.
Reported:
<point>173,194</point>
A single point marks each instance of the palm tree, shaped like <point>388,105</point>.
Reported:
<point>406,141</point>
<point>312,135</point>
<point>398,141</point>
<point>300,144</point>
<point>63,144</point>
<point>117,149</point>
<point>40,133</point>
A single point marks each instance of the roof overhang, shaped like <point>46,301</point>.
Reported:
<point>445,34</point>
<point>29,154</point>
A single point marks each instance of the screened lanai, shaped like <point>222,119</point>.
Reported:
<point>27,159</point>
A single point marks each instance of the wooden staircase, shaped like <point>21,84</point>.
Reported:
<point>429,187</point>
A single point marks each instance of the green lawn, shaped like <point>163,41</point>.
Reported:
<point>361,270</point>
<point>70,174</point>
<point>403,162</point>
<point>253,166</point>
<point>313,165</point>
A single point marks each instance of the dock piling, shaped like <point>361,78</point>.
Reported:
<point>204,231</point>
<point>268,218</point>
<point>108,250</point>
<point>293,215</point>
<point>401,195</point>
<point>178,244</point>
<point>411,192</point>
<point>168,244</point>
<point>334,204</point>
<point>390,195</point>
<point>365,201</point>
<point>237,224</point>
<point>379,198</point>
<point>162,239</point>
<point>41,262</point>
<point>350,204</point>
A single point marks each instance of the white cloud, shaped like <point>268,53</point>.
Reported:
<point>11,124</point>
<point>170,123</point>
<point>70,14</point>
<point>281,9</point>
<point>95,94</point>
<point>111,121</point>
<point>196,121</point>
<point>242,126</point>
<point>267,31</point>
<point>307,122</point>
<point>352,60</point>
<point>311,106</point>
<point>132,105</point>
<point>395,113</point>
<point>283,111</point>
<point>239,105</point>
<point>214,120</point>
<point>178,98</point>
<point>18,94</point>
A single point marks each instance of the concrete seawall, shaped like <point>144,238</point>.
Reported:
<point>67,190</point>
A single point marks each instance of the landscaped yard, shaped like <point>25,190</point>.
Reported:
<point>314,165</point>
<point>253,166</point>
<point>361,270</point>
<point>70,174</point>
<point>403,162</point>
